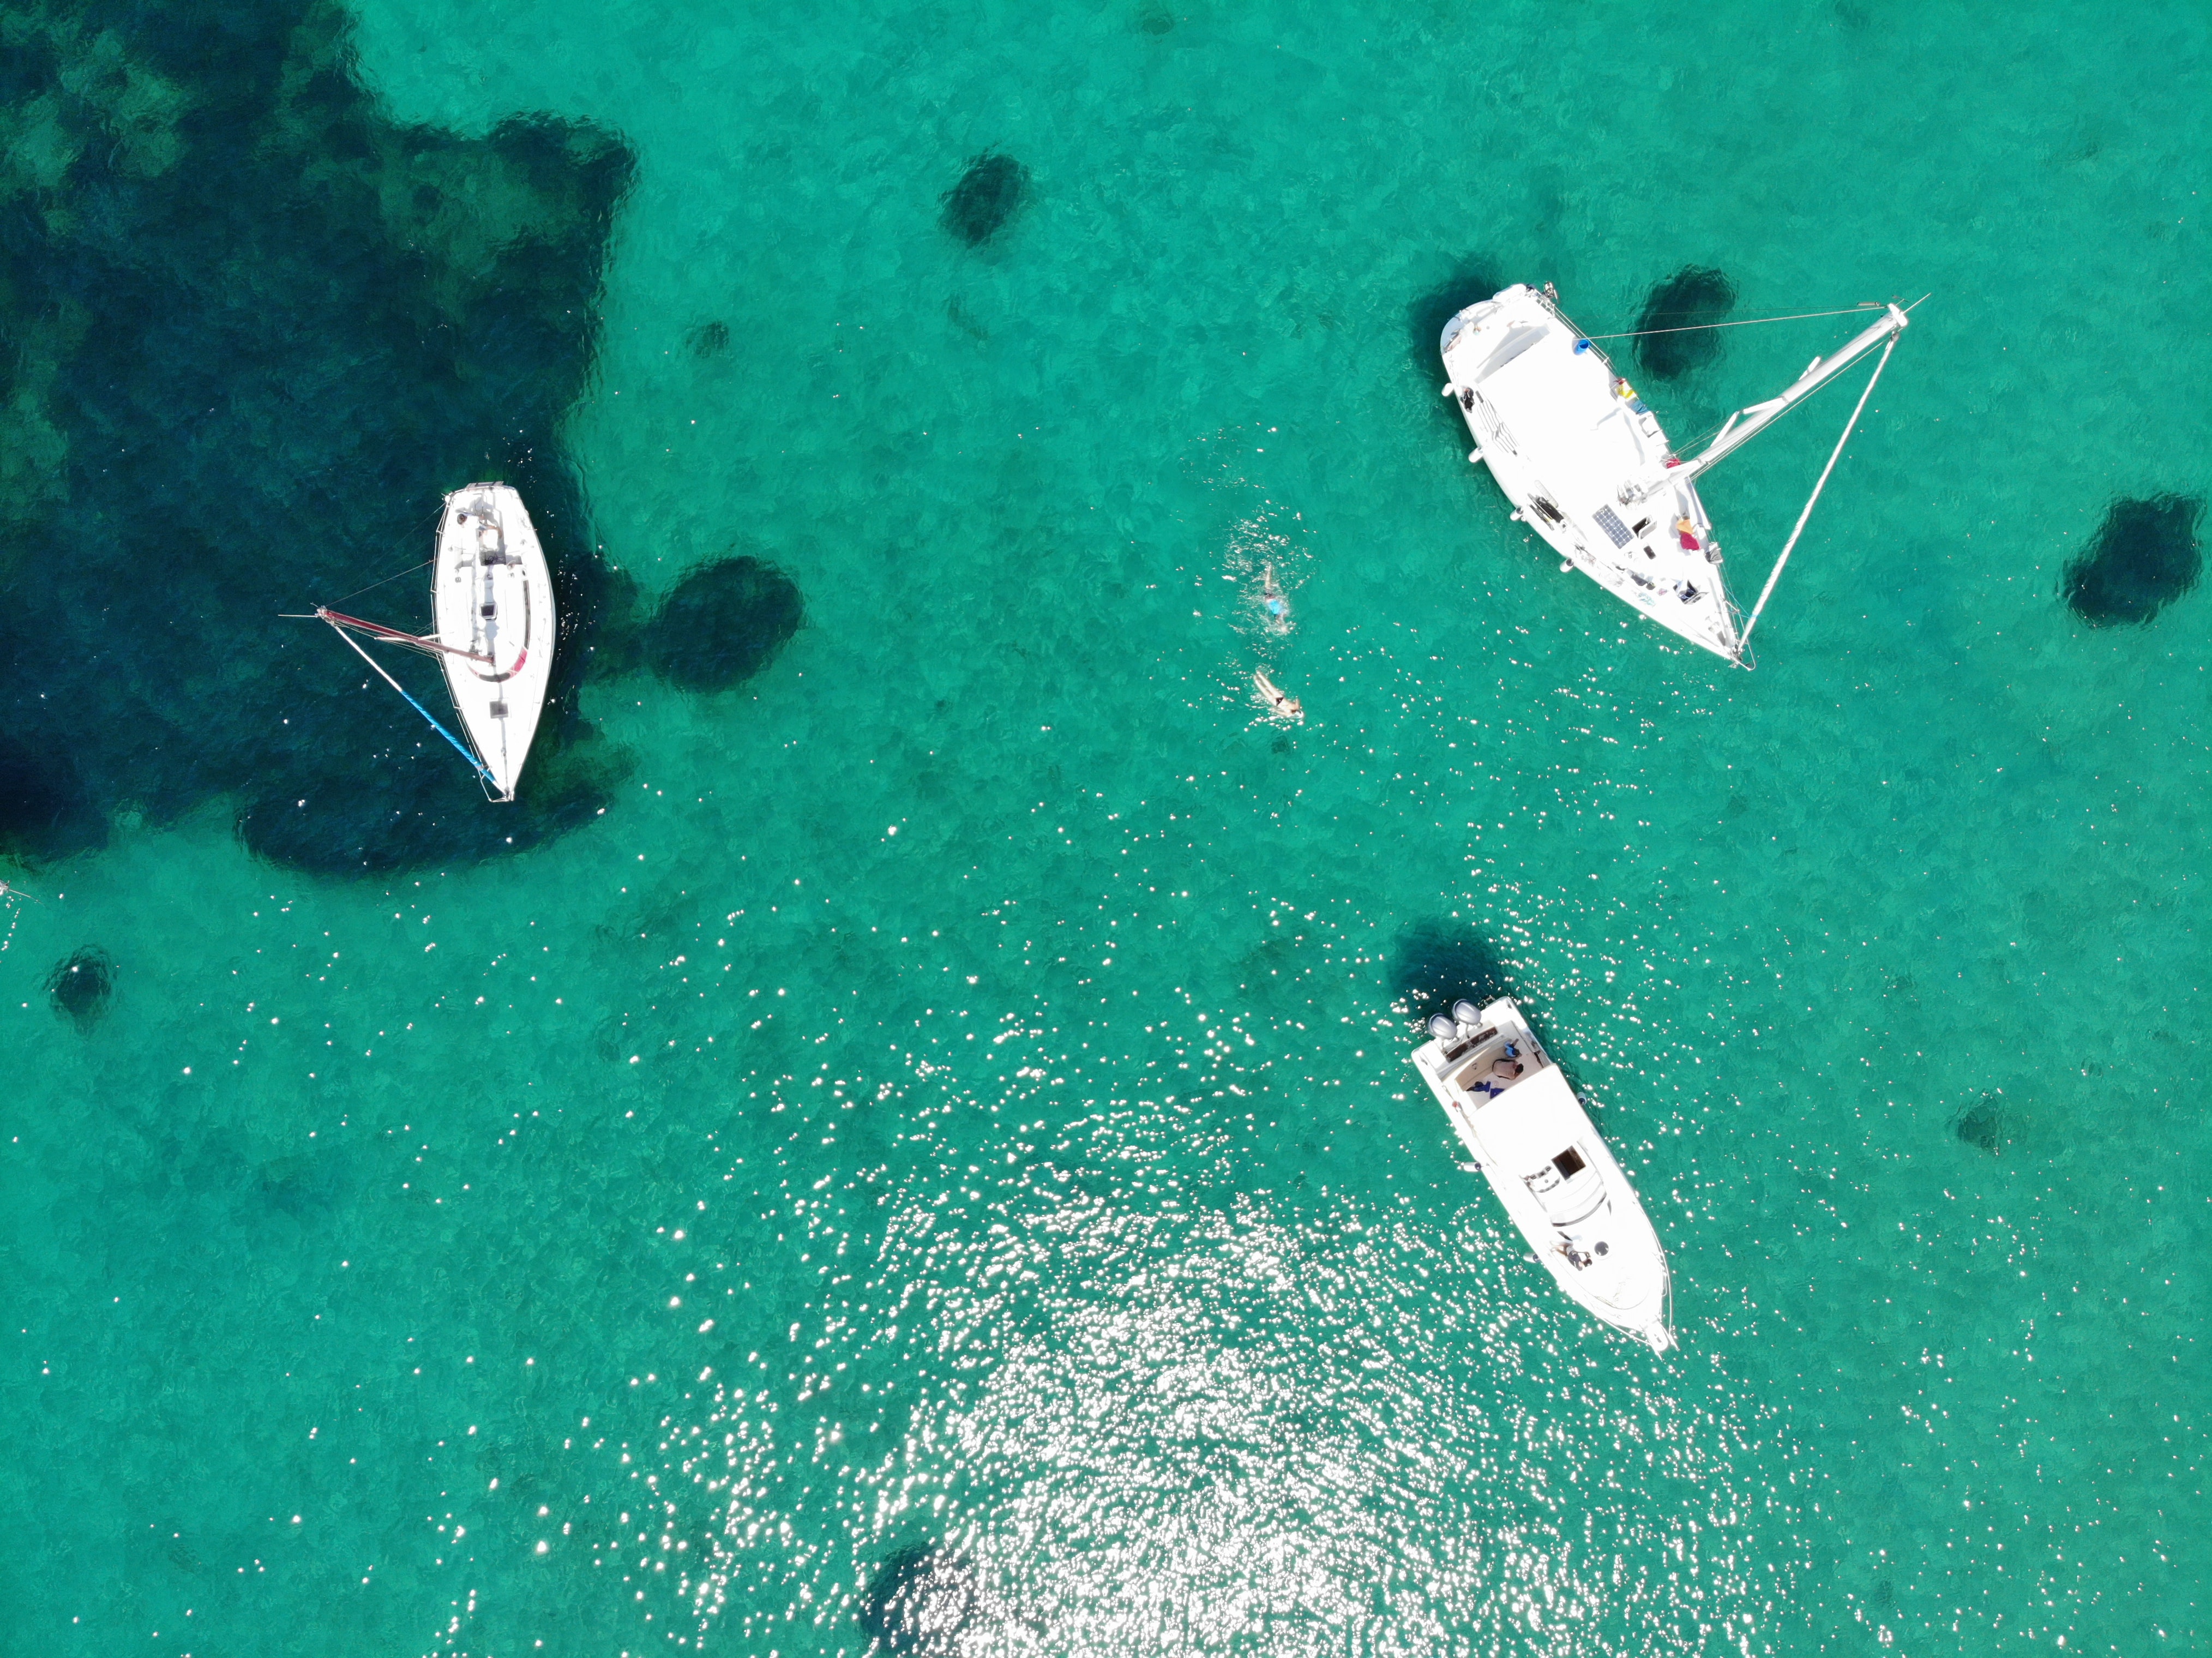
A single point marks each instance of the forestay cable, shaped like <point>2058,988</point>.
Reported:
<point>1747,322</point>
<point>1775,574</point>
<point>380,581</point>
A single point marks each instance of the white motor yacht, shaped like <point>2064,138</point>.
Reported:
<point>1527,1133</point>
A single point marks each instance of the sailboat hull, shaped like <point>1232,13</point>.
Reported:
<point>1561,432</point>
<point>492,598</point>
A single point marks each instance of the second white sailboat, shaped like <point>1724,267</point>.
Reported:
<point>1588,468</point>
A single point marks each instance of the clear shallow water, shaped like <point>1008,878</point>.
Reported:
<point>753,1193</point>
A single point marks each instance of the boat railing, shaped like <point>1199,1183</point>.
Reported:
<point>1583,342</point>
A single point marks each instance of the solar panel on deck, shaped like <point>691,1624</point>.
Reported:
<point>1609,521</point>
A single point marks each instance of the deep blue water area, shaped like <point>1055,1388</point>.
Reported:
<point>258,327</point>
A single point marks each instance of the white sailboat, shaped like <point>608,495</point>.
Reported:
<point>492,598</point>
<point>1521,1122</point>
<point>1588,468</point>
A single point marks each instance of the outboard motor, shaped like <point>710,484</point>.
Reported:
<point>1442,1026</point>
<point>1466,1013</point>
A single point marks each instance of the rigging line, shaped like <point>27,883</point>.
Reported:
<point>1775,574</point>
<point>1709,431</point>
<point>483,770</point>
<point>357,591</point>
<point>1692,328</point>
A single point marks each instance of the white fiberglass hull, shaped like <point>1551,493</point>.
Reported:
<point>1521,1124</point>
<point>492,598</point>
<point>1561,432</point>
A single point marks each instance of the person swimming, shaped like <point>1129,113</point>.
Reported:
<point>1274,602</point>
<point>1279,702</point>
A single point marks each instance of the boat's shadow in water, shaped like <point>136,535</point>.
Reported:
<point>921,1601</point>
<point>1442,960</point>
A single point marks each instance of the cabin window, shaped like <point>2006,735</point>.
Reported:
<point>1568,1162</point>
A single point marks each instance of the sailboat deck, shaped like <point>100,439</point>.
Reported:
<point>1562,432</point>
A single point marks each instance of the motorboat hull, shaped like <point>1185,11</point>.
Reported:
<point>1535,1143</point>
<point>492,598</point>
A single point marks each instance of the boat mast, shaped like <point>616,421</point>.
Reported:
<point>1761,416</point>
<point>1743,638</point>
<point>377,630</point>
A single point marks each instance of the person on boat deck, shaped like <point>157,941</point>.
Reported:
<point>1688,531</point>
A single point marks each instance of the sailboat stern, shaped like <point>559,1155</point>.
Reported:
<point>1670,570</point>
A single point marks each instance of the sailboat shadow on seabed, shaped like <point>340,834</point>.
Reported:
<point>1587,466</point>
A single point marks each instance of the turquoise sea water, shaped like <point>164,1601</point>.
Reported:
<point>954,1098</point>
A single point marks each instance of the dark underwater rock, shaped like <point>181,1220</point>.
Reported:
<point>2145,556</point>
<point>1982,1126</point>
<point>301,1186</point>
<point>1440,960</point>
<point>724,623</point>
<point>977,208</point>
<point>81,987</point>
<point>1690,299</point>
<point>257,329</point>
<point>921,1602</point>
<point>710,339</point>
